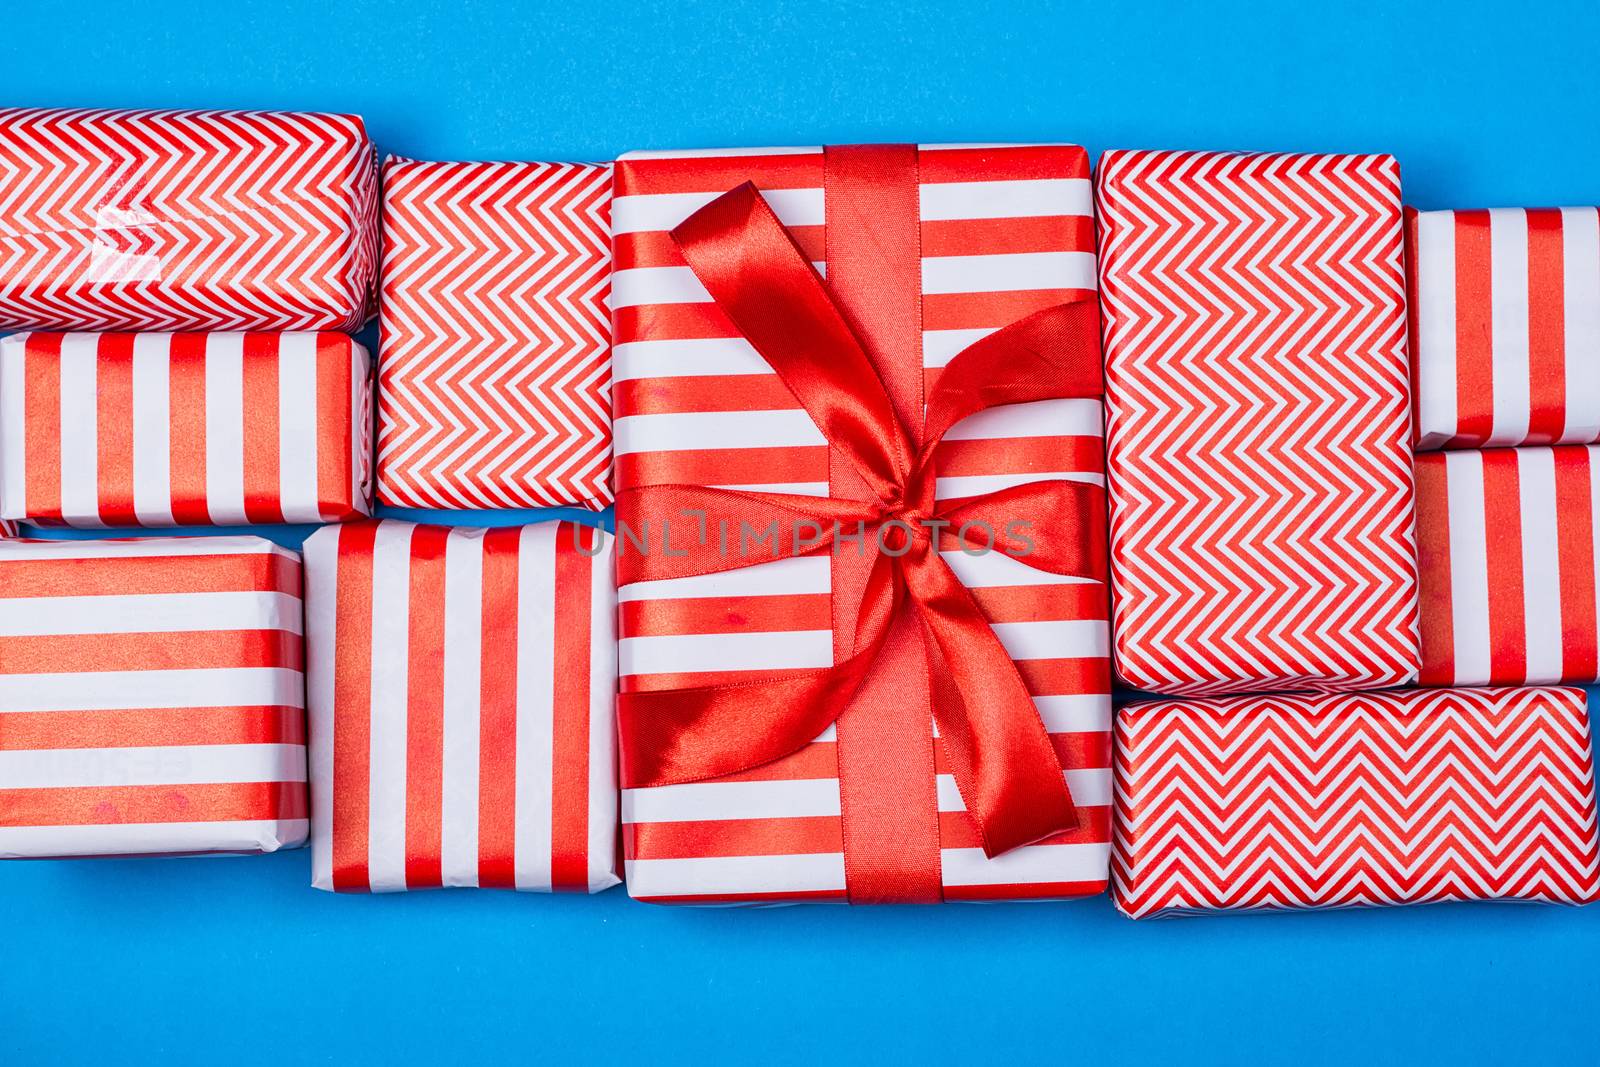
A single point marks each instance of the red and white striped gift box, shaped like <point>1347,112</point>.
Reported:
<point>1257,421</point>
<point>1343,800</point>
<point>151,697</point>
<point>1005,231</point>
<point>186,429</point>
<point>495,386</point>
<point>460,685</point>
<point>185,220</point>
<point>1507,544</point>
<point>1505,326</point>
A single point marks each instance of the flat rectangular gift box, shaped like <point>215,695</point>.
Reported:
<point>185,220</point>
<point>460,686</point>
<point>494,390</point>
<point>187,429</point>
<point>1257,429</point>
<point>1004,231</point>
<point>1342,800</point>
<point>151,697</point>
<point>1505,312</point>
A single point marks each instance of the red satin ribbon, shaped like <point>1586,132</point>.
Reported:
<point>994,741</point>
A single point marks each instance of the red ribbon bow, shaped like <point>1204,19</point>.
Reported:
<point>997,747</point>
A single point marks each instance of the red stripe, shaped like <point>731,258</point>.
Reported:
<point>725,466</point>
<point>335,473</point>
<point>702,393</point>
<point>796,897</point>
<point>1547,375</point>
<point>1413,302</point>
<point>805,836</point>
<point>972,311</point>
<point>988,237</point>
<point>726,615</point>
<point>656,248</point>
<point>1066,677</point>
<point>1001,163</point>
<point>352,707</point>
<point>1025,891</point>
<point>129,575</point>
<point>497,724</point>
<point>957,830</point>
<point>718,174</point>
<point>425,653</point>
<point>195,649</point>
<point>1433,570</point>
<point>114,428</point>
<point>151,727</point>
<point>569,754</point>
<point>1474,336</point>
<point>1021,455</point>
<point>186,391</point>
<point>42,429</point>
<point>1580,660</point>
<point>629,683</point>
<point>263,485</point>
<point>1030,603</point>
<point>1508,649</point>
<point>670,322</point>
<point>129,804</point>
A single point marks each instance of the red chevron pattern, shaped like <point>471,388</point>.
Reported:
<point>185,220</point>
<point>1257,437</point>
<point>495,377</point>
<point>1354,799</point>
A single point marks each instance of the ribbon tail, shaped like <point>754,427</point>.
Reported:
<point>1057,525</point>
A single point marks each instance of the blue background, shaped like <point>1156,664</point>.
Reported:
<point>191,960</point>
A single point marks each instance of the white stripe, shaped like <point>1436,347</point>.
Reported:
<point>1090,788</point>
<point>792,488</point>
<point>297,427</point>
<point>718,153</point>
<point>680,431</point>
<point>736,875</point>
<point>134,613</point>
<point>1007,199</point>
<point>462,713</point>
<point>536,681</point>
<point>1077,713</point>
<point>238,544</point>
<point>602,798</point>
<point>80,480</point>
<point>13,427</point>
<point>1075,417</point>
<point>1088,862</point>
<point>131,839</point>
<point>989,570</point>
<point>1057,639</point>
<point>391,596</point>
<point>1469,567</point>
<point>656,285</point>
<point>1580,268</point>
<point>691,653</point>
<point>939,347</point>
<point>153,765</point>
<point>958,487</point>
<point>1508,298</point>
<point>653,212</point>
<point>225,428</point>
<point>1436,327</point>
<point>701,801</point>
<point>1008,272</point>
<point>191,688</point>
<point>783,577</point>
<point>360,430</point>
<point>686,358</point>
<point>152,429</point>
<point>1541,577</point>
<point>321,553</point>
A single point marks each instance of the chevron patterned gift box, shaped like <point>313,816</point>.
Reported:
<point>184,429</point>
<point>460,686</point>
<point>151,697</point>
<point>1342,800</point>
<point>1505,310</point>
<point>1257,421</point>
<point>185,220</point>
<point>494,389</point>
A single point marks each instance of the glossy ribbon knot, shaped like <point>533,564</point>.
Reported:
<point>997,748</point>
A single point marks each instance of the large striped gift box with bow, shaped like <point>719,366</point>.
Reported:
<point>186,220</point>
<point>186,429</point>
<point>1342,800</point>
<point>151,697</point>
<point>494,389</point>
<point>1257,421</point>
<point>460,686</point>
<point>1004,231</point>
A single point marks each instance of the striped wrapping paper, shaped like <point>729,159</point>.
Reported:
<point>186,220</point>
<point>1359,799</point>
<point>187,429</point>
<point>1005,231</point>
<point>1505,326</point>
<point>1508,539</point>
<point>460,685</point>
<point>151,697</point>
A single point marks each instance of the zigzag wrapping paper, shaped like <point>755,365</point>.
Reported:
<point>151,697</point>
<point>188,429</point>
<point>1257,421</point>
<point>1005,231</point>
<point>494,390</point>
<point>185,220</point>
<point>1508,539</point>
<point>1505,326</point>
<point>1355,799</point>
<point>460,685</point>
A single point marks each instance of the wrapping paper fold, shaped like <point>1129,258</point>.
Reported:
<point>151,697</point>
<point>1505,326</point>
<point>460,686</point>
<point>495,385</point>
<point>1344,800</point>
<point>1257,410</point>
<point>188,429</point>
<point>185,220</point>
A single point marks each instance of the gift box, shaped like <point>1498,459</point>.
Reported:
<point>1257,421</point>
<point>1342,800</point>
<point>460,686</point>
<point>494,390</point>
<point>158,429</point>
<point>1505,326</point>
<point>151,697</point>
<point>939,257</point>
<point>185,220</point>
<point>1507,548</point>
